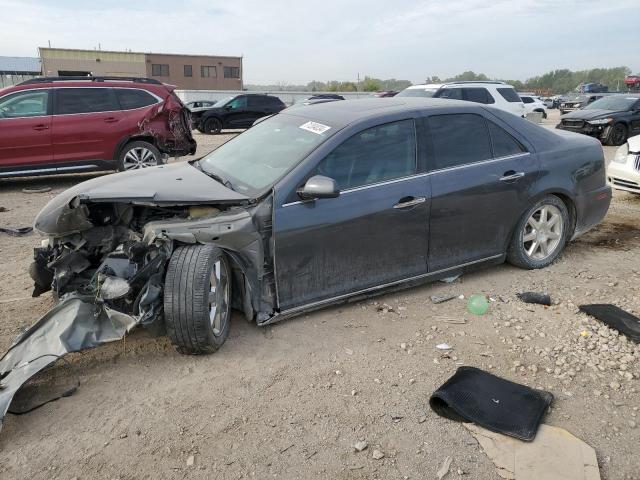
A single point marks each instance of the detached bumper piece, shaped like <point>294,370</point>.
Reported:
<point>75,323</point>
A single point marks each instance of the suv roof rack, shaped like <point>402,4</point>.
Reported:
<point>91,79</point>
<point>499,82</point>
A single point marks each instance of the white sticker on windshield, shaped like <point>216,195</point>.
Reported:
<point>315,127</point>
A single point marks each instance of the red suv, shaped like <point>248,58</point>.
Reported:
<point>68,124</point>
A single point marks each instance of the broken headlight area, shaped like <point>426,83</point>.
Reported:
<point>109,262</point>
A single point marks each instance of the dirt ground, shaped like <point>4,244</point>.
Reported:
<point>291,400</point>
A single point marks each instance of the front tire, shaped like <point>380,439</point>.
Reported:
<point>139,154</point>
<point>540,235</point>
<point>212,126</point>
<point>197,299</point>
<point>617,135</point>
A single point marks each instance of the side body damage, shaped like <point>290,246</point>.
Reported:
<point>106,263</point>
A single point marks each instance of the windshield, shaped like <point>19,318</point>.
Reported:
<point>417,92</point>
<point>614,102</point>
<point>221,103</point>
<point>262,155</point>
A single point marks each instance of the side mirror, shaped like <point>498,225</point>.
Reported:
<point>228,107</point>
<point>319,186</point>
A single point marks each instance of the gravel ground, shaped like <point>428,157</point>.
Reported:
<point>292,400</point>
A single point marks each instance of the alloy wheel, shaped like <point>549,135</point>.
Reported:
<point>139,157</point>
<point>219,297</point>
<point>543,232</point>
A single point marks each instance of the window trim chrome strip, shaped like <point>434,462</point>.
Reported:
<point>418,175</point>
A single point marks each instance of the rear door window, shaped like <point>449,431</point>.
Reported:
<point>509,94</point>
<point>129,98</point>
<point>257,102</point>
<point>459,139</point>
<point>527,99</point>
<point>380,153</point>
<point>478,95</point>
<point>84,100</point>
<point>503,143</point>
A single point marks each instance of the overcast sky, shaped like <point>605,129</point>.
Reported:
<point>294,42</point>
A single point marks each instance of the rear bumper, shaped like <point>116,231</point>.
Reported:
<point>591,209</point>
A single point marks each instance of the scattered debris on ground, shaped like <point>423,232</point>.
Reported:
<point>17,231</point>
<point>615,317</point>
<point>36,190</point>
<point>535,297</point>
<point>444,468</point>
<point>554,454</point>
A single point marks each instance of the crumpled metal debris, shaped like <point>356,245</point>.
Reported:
<point>77,322</point>
<point>16,232</point>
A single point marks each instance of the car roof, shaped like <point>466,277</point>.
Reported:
<point>345,112</point>
<point>87,84</point>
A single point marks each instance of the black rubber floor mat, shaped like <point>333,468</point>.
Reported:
<point>473,395</point>
<point>616,318</point>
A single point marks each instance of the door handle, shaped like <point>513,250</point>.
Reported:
<point>41,126</point>
<point>409,202</point>
<point>110,120</point>
<point>511,176</point>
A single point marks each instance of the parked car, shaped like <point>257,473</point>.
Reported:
<point>385,93</point>
<point>324,96</point>
<point>72,124</point>
<point>623,172</point>
<point>574,102</point>
<point>533,103</point>
<point>239,111</point>
<point>612,119</point>
<point>497,94</point>
<point>200,104</point>
<point>316,206</point>
<point>553,102</point>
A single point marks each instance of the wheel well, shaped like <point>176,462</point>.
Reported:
<point>571,208</point>
<point>141,138</point>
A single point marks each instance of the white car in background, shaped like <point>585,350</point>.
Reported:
<point>623,172</point>
<point>532,103</point>
<point>494,93</point>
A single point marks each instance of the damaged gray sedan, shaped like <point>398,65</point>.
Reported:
<point>311,207</point>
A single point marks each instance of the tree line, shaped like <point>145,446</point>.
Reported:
<point>555,81</point>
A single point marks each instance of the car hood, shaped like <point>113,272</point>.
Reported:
<point>590,114</point>
<point>166,185</point>
<point>634,144</point>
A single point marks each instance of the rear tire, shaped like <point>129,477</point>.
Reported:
<point>212,126</point>
<point>197,299</point>
<point>139,154</point>
<point>540,235</point>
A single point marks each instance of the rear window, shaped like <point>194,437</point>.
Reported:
<point>503,143</point>
<point>509,94</point>
<point>130,98</point>
<point>478,95</point>
<point>84,100</point>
